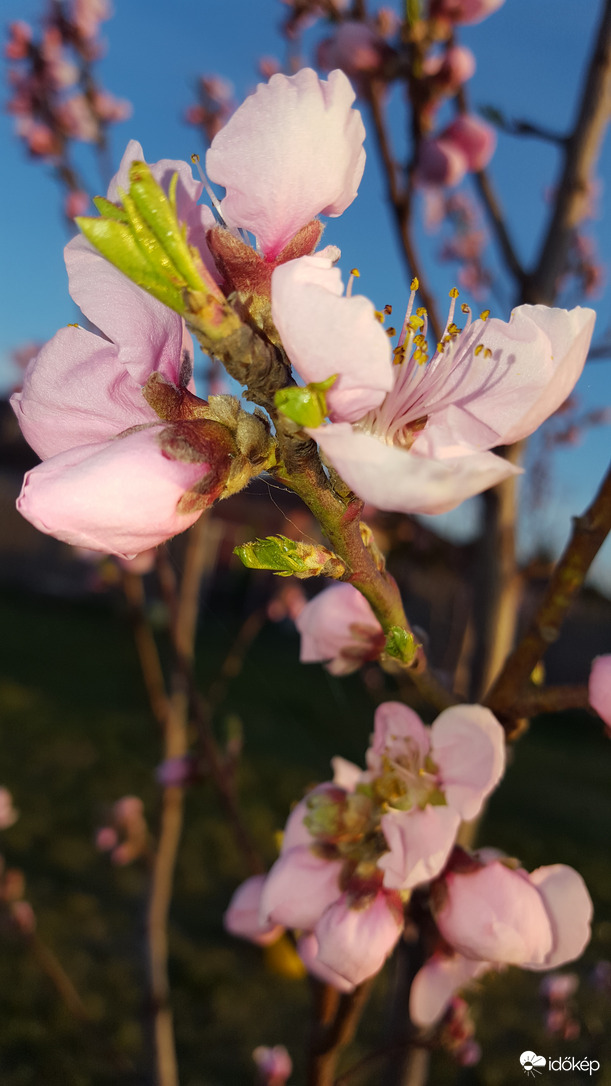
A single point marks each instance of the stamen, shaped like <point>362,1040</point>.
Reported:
<point>408,312</point>
<point>484,314</point>
<point>355,274</point>
<point>205,182</point>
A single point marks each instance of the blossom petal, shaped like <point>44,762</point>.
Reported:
<point>119,496</point>
<point>293,150</point>
<point>355,942</point>
<point>495,914</point>
<point>398,480</point>
<point>345,774</point>
<point>75,392</point>
<point>599,687</point>
<point>468,748</point>
<point>148,335</point>
<point>437,981</point>
<point>397,730</point>
<point>325,624</point>
<point>242,915</point>
<point>419,843</point>
<point>569,907</point>
<point>324,334</point>
<point>307,948</point>
<point>299,887</point>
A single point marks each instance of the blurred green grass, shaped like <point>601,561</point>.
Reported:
<point>77,735</point>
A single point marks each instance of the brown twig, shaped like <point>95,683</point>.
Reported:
<point>551,699</point>
<point>146,646</point>
<point>400,203</point>
<point>588,535</point>
<point>580,154</point>
<point>335,1026</point>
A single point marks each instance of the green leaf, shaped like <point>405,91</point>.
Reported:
<point>305,406</point>
<point>159,215</point>
<point>109,210</point>
<point>115,241</point>
<point>286,558</point>
<point>401,645</point>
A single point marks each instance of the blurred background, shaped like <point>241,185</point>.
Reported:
<point>78,730</point>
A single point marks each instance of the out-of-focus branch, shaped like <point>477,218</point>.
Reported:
<point>400,203</point>
<point>551,699</point>
<point>580,154</point>
<point>588,535</point>
<point>146,647</point>
<point>337,1018</point>
<point>497,221</point>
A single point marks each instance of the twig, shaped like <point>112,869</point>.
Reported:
<point>551,699</point>
<point>338,1018</point>
<point>401,206</point>
<point>581,152</point>
<point>588,535</point>
<point>146,647</point>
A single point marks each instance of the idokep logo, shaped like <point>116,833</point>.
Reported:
<point>534,1065</point>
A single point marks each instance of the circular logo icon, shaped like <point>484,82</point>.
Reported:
<point>532,1064</point>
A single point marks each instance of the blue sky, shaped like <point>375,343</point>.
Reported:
<point>530,58</point>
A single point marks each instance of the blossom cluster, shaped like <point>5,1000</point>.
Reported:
<point>356,849</point>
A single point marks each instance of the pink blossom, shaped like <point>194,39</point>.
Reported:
<point>339,627</point>
<point>8,814</point>
<point>355,48</point>
<point>76,203</point>
<point>497,914</point>
<point>110,480</point>
<point>423,449</point>
<point>299,888</point>
<point>307,948</point>
<point>440,162</point>
<point>435,983</point>
<point>463,11</point>
<point>20,36</point>
<point>88,14</point>
<point>242,917</point>
<point>293,150</point>
<point>599,688</point>
<point>78,120</point>
<point>475,138</point>
<point>431,780</point>
<point>448,71</point>
<point>355,940</point>
<point>273,1064</point>
<point>325,333</point>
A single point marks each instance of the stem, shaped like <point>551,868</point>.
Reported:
<point>338,1018</point>
<point>146,647</point>
<point>551,699</point>
<point>588,535</point>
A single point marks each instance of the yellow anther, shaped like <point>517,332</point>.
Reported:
<point>454,330</point>
<point>420,356</point>
<point>421,311</point>
<point>72,326</point>
<point>415,322</point>
<point>440,348</point>
<point>355,272</point>
<point>465,308</point>
<point>414,284</point>
<point>485,313</point>
<point>390,332</point>
<point>195,157</point>
<point>388,309</point>
<point>398,355</point>
<point>420,341</point>
<point>478,350</point>
<point>487,352</point>
<point>454,293</point>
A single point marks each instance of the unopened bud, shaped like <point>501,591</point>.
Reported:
<point>286,558</point>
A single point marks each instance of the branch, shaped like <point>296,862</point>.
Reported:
<point>400,204</point>
<point>581,152</point>
<point>588,535</point>
<point>551,699</point>
<point>338,1018</point>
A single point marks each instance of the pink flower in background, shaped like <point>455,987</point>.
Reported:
<point>293,150</point>
<point>325,333</point>
<point>354,47</point>
<point>423,449</point>
<point>76,203</point>
<point>474,138</point>
<point>448,71</point>
<point>465,146</point>
<point>274,1065</point>
<point>8,814</point>
<point>431,779</point>
<point>435,983</point>
<point>599,689</point>
<point>338,627</point>
<point>463,11</point>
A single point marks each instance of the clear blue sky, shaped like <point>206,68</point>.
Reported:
<point>530,58</point>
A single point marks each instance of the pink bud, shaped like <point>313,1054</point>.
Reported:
<point>76,203</point>
<point>273,1064</point>
<point>242,915</point>
<point>440,162</point>
<point>599,689</point>
<point>463,11</point>
<point>472,136</point>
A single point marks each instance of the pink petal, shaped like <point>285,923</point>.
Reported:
<point>420,842</point>
<point>307,948</point>
<point>346,774</point>
<point>355,942</point>
<point>148,335</point>
<point>398,731</point>
<point>468,747</point>
<point>242,915</point>
<point>474,138</point>
<point>299,887</point>
<point>398,480</point>
<point>75,392</point>
<point>440,162</point>
<point>495,914</point>
<point>295,832</point>
<point>465,11</point>
<point>119,496</point>
<point>435,984</point>
<point>293,150</point>
<point>324,334</point>
<point>569,908</point>
<point>599,688</point>
<point>324,623</point>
